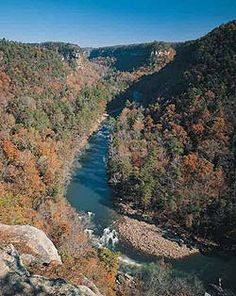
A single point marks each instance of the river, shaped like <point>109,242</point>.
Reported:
<point>89,192</point>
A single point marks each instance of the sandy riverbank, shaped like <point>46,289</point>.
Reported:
<point>147,238</point>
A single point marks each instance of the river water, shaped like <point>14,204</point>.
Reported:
<point>89,192</point>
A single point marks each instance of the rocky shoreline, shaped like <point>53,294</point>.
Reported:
<point>148,239</point>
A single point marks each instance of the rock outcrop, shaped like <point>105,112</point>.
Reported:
<point>134,56</point>
<point>16,280</point>
<point>32,243</point>
<point>71,53</point>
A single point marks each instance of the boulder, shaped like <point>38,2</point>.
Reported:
<point>16,280</point>
<point>32,243</point>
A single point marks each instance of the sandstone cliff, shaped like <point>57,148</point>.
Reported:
<point>16,280</point>
<point>25,245</point>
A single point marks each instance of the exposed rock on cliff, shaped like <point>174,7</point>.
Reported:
<point>72,53</point>
<point>134,56</point>
<point>31,242</point>
<point>16,280</point>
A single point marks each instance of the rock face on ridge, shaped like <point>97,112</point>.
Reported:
<point>16,280</point>
<point>72,53</point>
<point>134,56</point>
<point>30,241</point>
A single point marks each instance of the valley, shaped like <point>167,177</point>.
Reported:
<point>124,157</point>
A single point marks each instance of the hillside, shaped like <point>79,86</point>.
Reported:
<point>134,56</point>
<point>174,160</point>
<point>172,157</point>
<point>49,104</point>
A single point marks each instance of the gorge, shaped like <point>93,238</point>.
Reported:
<point>124,157</point>
<point>89,192</point>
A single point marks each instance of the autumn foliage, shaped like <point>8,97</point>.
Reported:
<point>47,102</point>
<point>174,158</point>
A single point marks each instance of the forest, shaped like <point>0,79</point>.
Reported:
<point>49,102</point>
<point>172,156</point>
<point>134,57</point>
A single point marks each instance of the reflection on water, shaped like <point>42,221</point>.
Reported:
<point>209,268</point>
<point>89,192</point>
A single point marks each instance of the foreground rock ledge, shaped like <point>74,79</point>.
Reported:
<point>147,238</point>
<point>29,240</point>
<point>16,280</point>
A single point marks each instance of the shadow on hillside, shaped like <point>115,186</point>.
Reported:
<point>167,82</point>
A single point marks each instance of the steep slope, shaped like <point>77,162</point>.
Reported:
<point>205,63</point>
<point>175,159</point>
<point>134,56</point>
<point>49,105</point>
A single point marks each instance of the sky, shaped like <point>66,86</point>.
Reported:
<point>110,22</point>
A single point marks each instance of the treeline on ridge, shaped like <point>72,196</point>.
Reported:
<point>174,159</point>
<point>47,106</point>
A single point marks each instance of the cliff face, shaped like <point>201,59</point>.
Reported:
<point>132,57</point>
<point>72,53</point>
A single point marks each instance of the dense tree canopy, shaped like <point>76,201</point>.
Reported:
<point>49,101</point>
<point>175,158</point>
